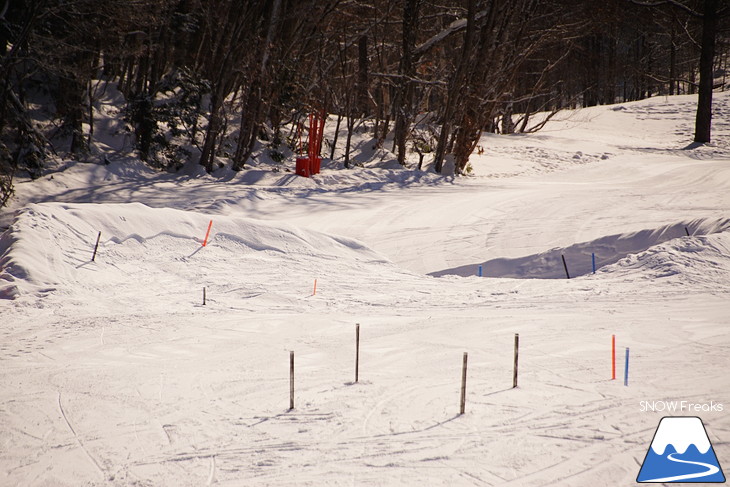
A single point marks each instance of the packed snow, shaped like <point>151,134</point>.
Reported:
<point>115,372</point>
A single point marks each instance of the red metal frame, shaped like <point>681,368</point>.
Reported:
<point>307,166</point>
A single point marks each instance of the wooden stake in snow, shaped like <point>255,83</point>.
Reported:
<point>291,380</point>
<point>517,354</point>
<point>96,247</point>
<point>357,351</point>
<point>314,291</point>
<point>462,404</point>
<point>203,296</point>
<point>565,266</point>
<point>686,231</point>
<point>205,240</point>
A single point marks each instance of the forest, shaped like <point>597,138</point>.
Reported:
<point>205,81</point>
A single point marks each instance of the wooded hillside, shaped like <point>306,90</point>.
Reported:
<point>429,76</point>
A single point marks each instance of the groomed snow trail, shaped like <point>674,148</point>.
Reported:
<point>165,391</point>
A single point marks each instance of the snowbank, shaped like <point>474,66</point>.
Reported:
<point>49,248</point>
<point>635,250</point>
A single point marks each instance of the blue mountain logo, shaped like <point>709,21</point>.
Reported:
<point>681,452</point>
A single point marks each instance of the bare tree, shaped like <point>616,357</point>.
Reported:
<point>500,36</point>
<point>709,14</point>
<point>405,81</point>
<point>703,121</point>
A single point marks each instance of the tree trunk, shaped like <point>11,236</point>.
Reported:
<point>249,127</point>
<point>71,108</point>
<point>348,141</point>
<point>404,96</point>
<point>703,122</point>
<point>363,101</point>
<point>456,84</point>
<point>336,136</point>
<point>673,61</point>
<point>207,156</point>
<point>507,125</point>
<point>467,138</point>
<point>255,104</point>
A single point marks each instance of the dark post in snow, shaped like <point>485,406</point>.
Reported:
<point>96,247</point>
<point>565,266</point>
<point>291,380</point>
<point>517,354</point>
<point>357,352</point>
<point>462,404</point>
<point>203,296</point>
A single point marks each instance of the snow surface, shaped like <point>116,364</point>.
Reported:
<point>115,373</point>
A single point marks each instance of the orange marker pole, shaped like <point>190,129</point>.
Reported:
<point>314,292</point>
<point>205,240</point>
<point>613,357</point>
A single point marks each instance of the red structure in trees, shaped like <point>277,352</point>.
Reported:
<point>309,165</point>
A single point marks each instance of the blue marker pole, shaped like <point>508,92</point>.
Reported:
<point>593,261</point>
<point>626,368</point>
<point>480,271</point>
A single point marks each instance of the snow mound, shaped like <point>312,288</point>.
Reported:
<point>662,251</point>
<point>148,252</point>
<point>698,259</point>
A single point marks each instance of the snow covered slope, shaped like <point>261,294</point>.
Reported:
<point>113,372</point>
<point>149,253</point>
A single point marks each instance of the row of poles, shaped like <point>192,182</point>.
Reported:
<point>465,359</point>
<point>462,402</point>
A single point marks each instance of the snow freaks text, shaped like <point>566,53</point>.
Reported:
<point>680,407</point>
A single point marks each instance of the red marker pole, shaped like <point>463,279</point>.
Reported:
<point>205,240</point>
<point>613,357</point>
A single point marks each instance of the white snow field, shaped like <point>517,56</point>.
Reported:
<point>113,372</point>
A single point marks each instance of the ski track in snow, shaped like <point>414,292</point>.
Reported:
<point>76,437</point>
